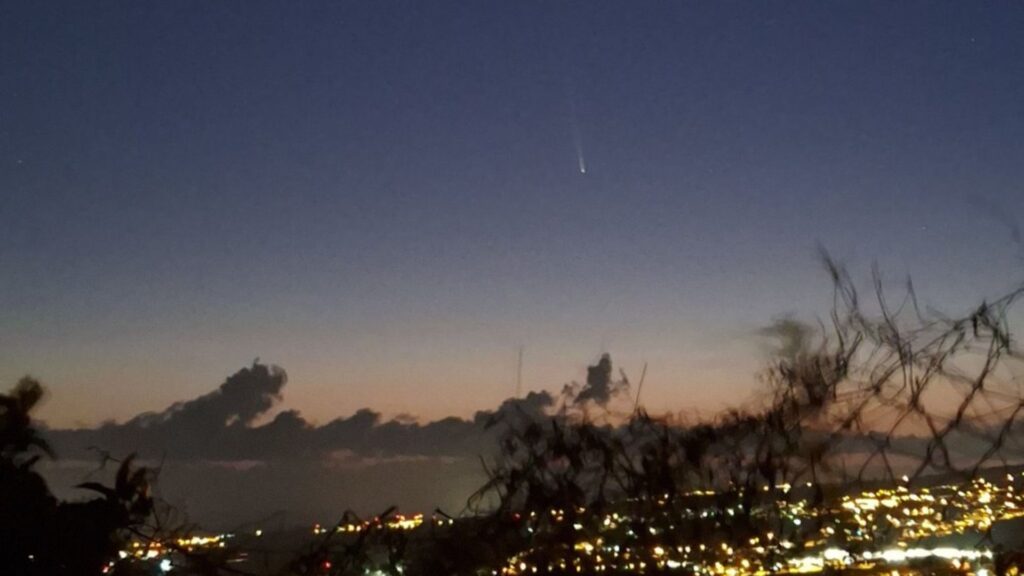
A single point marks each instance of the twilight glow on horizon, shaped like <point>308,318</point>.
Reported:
<point>390,199</point>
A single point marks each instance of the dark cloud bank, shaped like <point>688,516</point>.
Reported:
<point>222,468</point>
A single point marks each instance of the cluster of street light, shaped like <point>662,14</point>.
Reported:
<point>896,529</point>
<point>904,528</point>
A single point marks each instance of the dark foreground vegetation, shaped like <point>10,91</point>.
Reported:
<point>882,406</point>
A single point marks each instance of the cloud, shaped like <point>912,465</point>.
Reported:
<point>219,426</point>
<point>210,448</point>
<point>222,468</point>
<point>231,408</point>
<point>600,388</point>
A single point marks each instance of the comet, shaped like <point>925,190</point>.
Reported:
<point>581,161</point>
<point>577,139</point>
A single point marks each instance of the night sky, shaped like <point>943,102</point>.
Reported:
<point>386,198</point>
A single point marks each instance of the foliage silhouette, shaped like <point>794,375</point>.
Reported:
<point>40,535</point>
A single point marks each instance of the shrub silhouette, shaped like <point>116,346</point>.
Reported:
<point>843,402</point>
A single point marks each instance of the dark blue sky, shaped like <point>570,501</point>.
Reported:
<point>384,197</point>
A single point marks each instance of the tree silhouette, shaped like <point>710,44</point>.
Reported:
<point>41,535</point>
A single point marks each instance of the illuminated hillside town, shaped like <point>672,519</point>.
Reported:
<point>943,528</point>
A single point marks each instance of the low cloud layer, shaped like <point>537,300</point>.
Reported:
<point>222,468</point>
